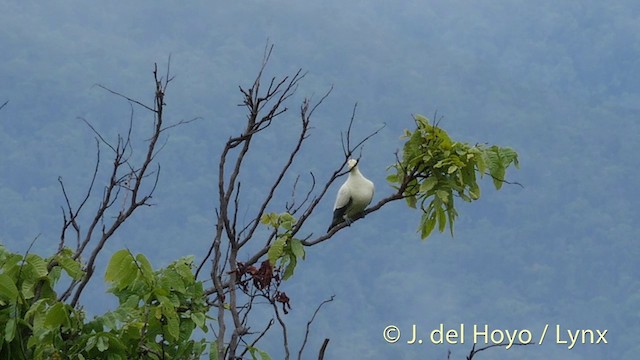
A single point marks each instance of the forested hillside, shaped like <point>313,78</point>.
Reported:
<point>556,81</point>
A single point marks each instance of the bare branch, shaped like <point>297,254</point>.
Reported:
<point>308,195</point>
<point>125,97</point>
<point>505,181</point>
<point>283,326</point>
<point>131,181</point>
<point>181,122</point>
<point>98,134</point>
<point>474,351</point>
<point>257,255</point>
<point>73,214</point>
<point>305,121</point>
<point>323,349</point>
<point>265,100</point>
<point>393,197</point>
<point>255,341</point>
<point>306,334</point>
<point>346,140</point>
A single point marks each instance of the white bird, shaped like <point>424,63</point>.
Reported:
<point>353,197</point>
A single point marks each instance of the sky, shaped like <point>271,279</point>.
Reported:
<point>556,81</point>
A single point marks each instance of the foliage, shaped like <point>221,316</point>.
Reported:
<point>285,250</point>
<point>434,169</point>
<point>157,313</point>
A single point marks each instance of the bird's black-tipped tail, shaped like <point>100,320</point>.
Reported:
<point>338,217</point>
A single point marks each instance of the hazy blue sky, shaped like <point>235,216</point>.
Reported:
<point>556,80</point>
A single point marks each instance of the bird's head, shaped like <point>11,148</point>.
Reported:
<point>352,163</point>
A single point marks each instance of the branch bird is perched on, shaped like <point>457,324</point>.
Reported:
<point>353,197</point>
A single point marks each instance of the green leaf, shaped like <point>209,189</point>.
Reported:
<point>145,265</point>
<point>213,350</point>
<point>183,267</point>
<point>412,147</point>
<point>427,225</point>
<point>264,355</point>
<point>102,343</point>
<point>91,343</point>
<point>411,201</point>
<point>173,324</point>
<point>428,184</point>
<point>270,219</point>
<point>113,356</point>
<point>288,271</point>
<point>438,167</point>
<point>10,330</point>
<point>110,320</point>
<point>297,248</point>
<point>443,195</point>
<point>276,250</point>
<point>8,289</point>
<point>28,284</point>
<point>198,319</point>
<point>56,317</point>
<point>119,266</point>
<point>39,265</point>
<point>172,281</point>
<point>474,191</point>
<point>478,160</point>
<point>287,221</point>
<point>72,267</point>
<point>508,156</point>
<point>442,220</point>
<point>498,176</point>
<point>421,120</point>
<point>451,213</point>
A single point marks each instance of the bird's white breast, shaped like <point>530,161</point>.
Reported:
<point>361,192</point>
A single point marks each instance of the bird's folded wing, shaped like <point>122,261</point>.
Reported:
<point>343,198</point>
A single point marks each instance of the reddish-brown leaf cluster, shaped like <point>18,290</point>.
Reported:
<point>282,297</point>
<point>266,278</point>
<point>262,277</point>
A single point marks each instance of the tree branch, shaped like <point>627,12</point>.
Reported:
<point>306,334</point>
<point>124,178</point>
<point>474,351</point>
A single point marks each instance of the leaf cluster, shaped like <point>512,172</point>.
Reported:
<point>157,314</point>
<point>434,169</point>
<point>34,324</point>
<point>159,310</point>
<point>285,250</point>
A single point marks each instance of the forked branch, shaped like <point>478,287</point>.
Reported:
<point>127,181</point>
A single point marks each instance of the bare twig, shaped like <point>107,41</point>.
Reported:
<point>323,349</point>
<point>125,97</point>
<point>305,114</point>
<point>474,351</point>
<point>283,326</point>
<point>505,181</point>
<point>73,214</point>
<point>181,122</point>
<point>125,178</point>
<point>257,255</point>
<point>306,334</point>
<point>255,341</point>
